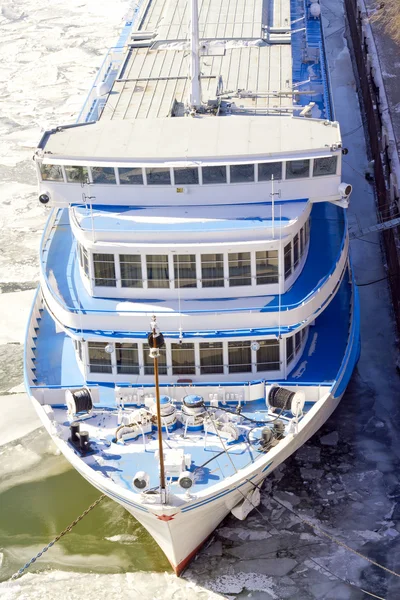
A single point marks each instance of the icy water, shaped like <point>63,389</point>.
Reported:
<point>345,479</point>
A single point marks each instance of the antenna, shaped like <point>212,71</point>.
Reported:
<point>156,340</point>
<point>195,87</point>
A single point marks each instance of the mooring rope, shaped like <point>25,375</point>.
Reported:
<point>56,539</point>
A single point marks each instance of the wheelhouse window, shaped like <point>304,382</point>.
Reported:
<point>268,355</point>
<point>185,270</point>
<point>187,176</point>
<point>296,169</point>
<point>288,259</point>
<point>157,271</point>
<point>158,176</point>
<point>99,359</point>
<point>183,359</point>
<point>242,173</point>
<point>239,268</point>
<point>211,358</point>
<point>267,170</point>
<point>127,359</point>
<point>84,260</point>
<point>103,175</point>
<point>239,356</point>
<point>267,267</point>
<point>104,270</point>
<point>131,270</point>
<point>76,174</point>
<point>51,173</point>
<point>130,176</point>
<point>296,255</point>
<point>212,270</point>
<point>148,362</point>
<point>325,166</point>
<point>214,174</point>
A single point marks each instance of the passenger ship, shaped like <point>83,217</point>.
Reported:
<point>198,239</point>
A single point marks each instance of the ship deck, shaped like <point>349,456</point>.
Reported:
<point>61,269</point>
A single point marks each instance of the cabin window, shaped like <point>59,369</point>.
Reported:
<point>242,173</point>
<point>267,267</point>
<point>149,362</point>
<point>127,358</point>
<point>267,170</point>
<point>325,166</point>
<point>302,245</point>
<point>211,358</point>
<point>183,359</point>
<point>84,260</point>
<point>157,271</point>
<point>288,259</point>
<point>296,169</point>
<point>77,174</point>
<point>158,176</point>
<point>296,256</point>
<point>306,232</point>
<point>239,354</point>
<point>239,268</point>
<point>99,359</point>
<point>51,173</point>
<point>103,175</point>
<point>130,176</point>
<point>104,270</point>
<point>297,342</point>
<point>131,270</point>
<point>212,270</point>
<point>186,176</point>
<point>289,350</point>
<point>185,270</point>
<point>268,355</point>
<point>214,174</point>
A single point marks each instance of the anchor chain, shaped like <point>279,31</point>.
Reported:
<point>56,539</point>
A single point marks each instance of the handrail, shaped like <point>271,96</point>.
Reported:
<point>265,308</point>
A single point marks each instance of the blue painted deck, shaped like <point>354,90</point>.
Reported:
<point>62,271</point>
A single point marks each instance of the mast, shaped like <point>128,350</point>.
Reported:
<point>195,87</point>
<point>158,341</point>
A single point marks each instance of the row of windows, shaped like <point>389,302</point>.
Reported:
<point>244,173</point>
<point>264,355</point>
<point>156,268</point>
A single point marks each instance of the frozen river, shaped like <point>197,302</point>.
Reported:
<point>345,479</point>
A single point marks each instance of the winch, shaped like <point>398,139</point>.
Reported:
<point>133,425</point>
<point>193,412</point>
<point>168,414</point>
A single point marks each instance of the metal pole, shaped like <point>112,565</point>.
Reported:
<point>273,206</point>
<point>160,443</point>
<point>195,88</point>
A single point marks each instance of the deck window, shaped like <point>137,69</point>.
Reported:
<point>131,270</point>
<point>325,166</point>
<point>51,173</point>
<point>289,350</point>
<point>267,267</point>
<point>239,268</point>
<point>130,176</point>
<point>99,359</point>
<point>84,260</point>
<point>242,173</point>
<point>288,259</point>
<point>212,270</point>
<point>239,354</point>
<point>149,362</point>
<point>211,358</point>
<point>183,359</point>
<point>297,342</point>
<point>267,170</point>
<point>268,355</point>
<point>296,255</point>
<point>77,174</point>
<point>127,357</point>
<point>214,174</point>
<point>104,270</point>
<point>296,169</point>
<point>158,176</point>
<point>186,176</point>
<point>103,175</point>
<point>157,271</point>
<point>302,245</point>
<point>185,270</point>
<point>306,232</point>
